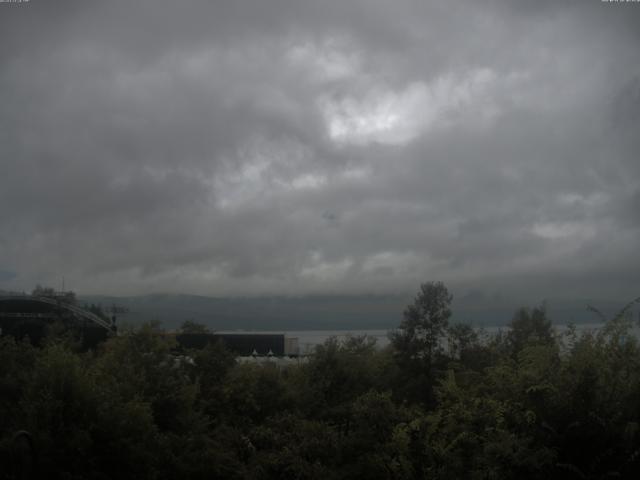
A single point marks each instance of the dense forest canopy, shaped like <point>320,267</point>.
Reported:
<point>441,401</point>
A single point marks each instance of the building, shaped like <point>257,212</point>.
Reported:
<point>33,316</point>
<point>243,344</point>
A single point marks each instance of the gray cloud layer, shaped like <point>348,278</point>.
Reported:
<point>288,147</point>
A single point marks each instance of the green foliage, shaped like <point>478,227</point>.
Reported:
<point>191,326</point>
<point>524,404</point>
<point>418,342</point>
<point>253,393</point>
<point>288,446</point>
<point>529,327</point>
<point>17,360</point>
<point>425,322</point>
<point>209,371</point>
<point>336,375</point>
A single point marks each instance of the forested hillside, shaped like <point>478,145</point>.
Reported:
<point>329,312</point>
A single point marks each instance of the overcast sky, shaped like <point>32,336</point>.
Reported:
<point>312,147</point>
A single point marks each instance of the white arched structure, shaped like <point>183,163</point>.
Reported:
<point>80,312</point>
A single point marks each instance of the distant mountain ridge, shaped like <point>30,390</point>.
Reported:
<point>349,312</point>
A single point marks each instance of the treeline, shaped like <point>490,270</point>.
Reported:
<point>441,402</point>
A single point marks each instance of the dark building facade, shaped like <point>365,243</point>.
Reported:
<point>242,344</point>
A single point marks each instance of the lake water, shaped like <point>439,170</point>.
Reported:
<point>308,339</point>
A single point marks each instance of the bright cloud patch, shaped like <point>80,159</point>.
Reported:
<point>563,230</point>
<point>322,270</point>
<point>393,263</point>
<point>264,169</point>
<point>592,200</point>
<point>308,181</point>
<point>391,117</point>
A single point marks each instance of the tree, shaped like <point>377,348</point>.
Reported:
<point>41,291</point>
<point>425,323</point>
<point>211,366</point>
<point>191,326</point>
<point>461,337</point>
<point>337,373</point>
<point>530,327</point>
<point>417,343</point>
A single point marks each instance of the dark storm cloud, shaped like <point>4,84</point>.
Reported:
<point>304,147</point>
